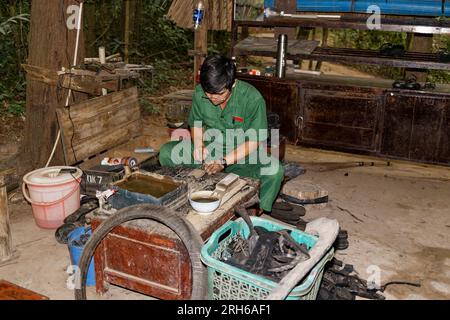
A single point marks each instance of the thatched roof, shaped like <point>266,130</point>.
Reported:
<point>218,13</point>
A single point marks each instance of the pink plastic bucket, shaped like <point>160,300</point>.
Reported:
<point>53,195</point>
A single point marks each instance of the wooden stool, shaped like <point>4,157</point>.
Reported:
<point>9,291</point>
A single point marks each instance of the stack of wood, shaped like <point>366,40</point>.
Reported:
<point>218,13</point>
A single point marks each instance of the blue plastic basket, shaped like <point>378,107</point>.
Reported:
<point>226,282</point>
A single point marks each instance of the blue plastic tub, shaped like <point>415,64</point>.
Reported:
<point>226,282</point>
<point>76,251</point>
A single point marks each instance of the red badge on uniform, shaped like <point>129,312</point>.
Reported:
<point>238,119</point>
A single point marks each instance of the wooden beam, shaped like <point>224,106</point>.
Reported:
<point>84,81</point>
<point>6,248</point>
<point>420,43</point>
<point>201,43</point>
<point>288,6</point>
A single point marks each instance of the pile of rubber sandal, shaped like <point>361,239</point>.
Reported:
<point>290,214</point>
<point>340,283</point>
<point>412,84</point>
<point>76,219</point>
<point>392,50</point>
<point>266,253</point>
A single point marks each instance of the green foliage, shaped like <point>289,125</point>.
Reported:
<point>219,42</point>
<point>14,26</point>
<point>370,40</point>
<point>160,38</point>
<point>373,40</point>
<point>168,75</point>
<point>6,26</point>
<point>441,43</point>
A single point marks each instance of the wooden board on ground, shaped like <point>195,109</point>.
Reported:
<point>10,291</point>
<point>99,124</point>
<point>6,248</point>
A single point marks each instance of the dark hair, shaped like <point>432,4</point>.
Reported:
<point>217,73</point>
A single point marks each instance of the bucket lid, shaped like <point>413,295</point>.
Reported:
<point>52,176</point>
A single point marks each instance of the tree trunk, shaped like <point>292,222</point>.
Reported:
<point>51,46</point>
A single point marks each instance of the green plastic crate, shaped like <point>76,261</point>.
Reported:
<point>226,282</point>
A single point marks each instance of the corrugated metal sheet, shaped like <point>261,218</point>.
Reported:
<point>218,13</point>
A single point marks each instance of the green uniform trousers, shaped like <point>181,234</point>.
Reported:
<point>270,175</point>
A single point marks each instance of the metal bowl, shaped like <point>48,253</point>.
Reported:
<point>197,202</point>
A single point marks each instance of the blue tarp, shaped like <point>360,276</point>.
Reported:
<point>397,7</point>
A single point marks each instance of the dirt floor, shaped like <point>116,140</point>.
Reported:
<point>397,217</point>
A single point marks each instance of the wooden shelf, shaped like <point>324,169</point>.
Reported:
<point>356,56</point>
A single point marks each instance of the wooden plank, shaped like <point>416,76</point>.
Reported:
<point>95,145</point>
<point>6,248</point>
<point>99,124</point>
<point>10,291</point>
<point>270,44</point>
<point>105,121</point>
<point>91,108</point>
<point>373,57</point>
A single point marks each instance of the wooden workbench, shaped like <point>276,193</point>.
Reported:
<point>147,257</point>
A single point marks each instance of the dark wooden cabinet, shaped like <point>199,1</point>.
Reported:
<point>361,118</point>
<point>342,117</point>
<point>416,127</point>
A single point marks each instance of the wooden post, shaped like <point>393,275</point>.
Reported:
<point>6,248</point>
<point>323,45</point>
<point>288,6</point>
<point>420,43</point>
<point>201,43</point>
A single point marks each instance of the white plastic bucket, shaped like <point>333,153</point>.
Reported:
<point>53,195</point>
